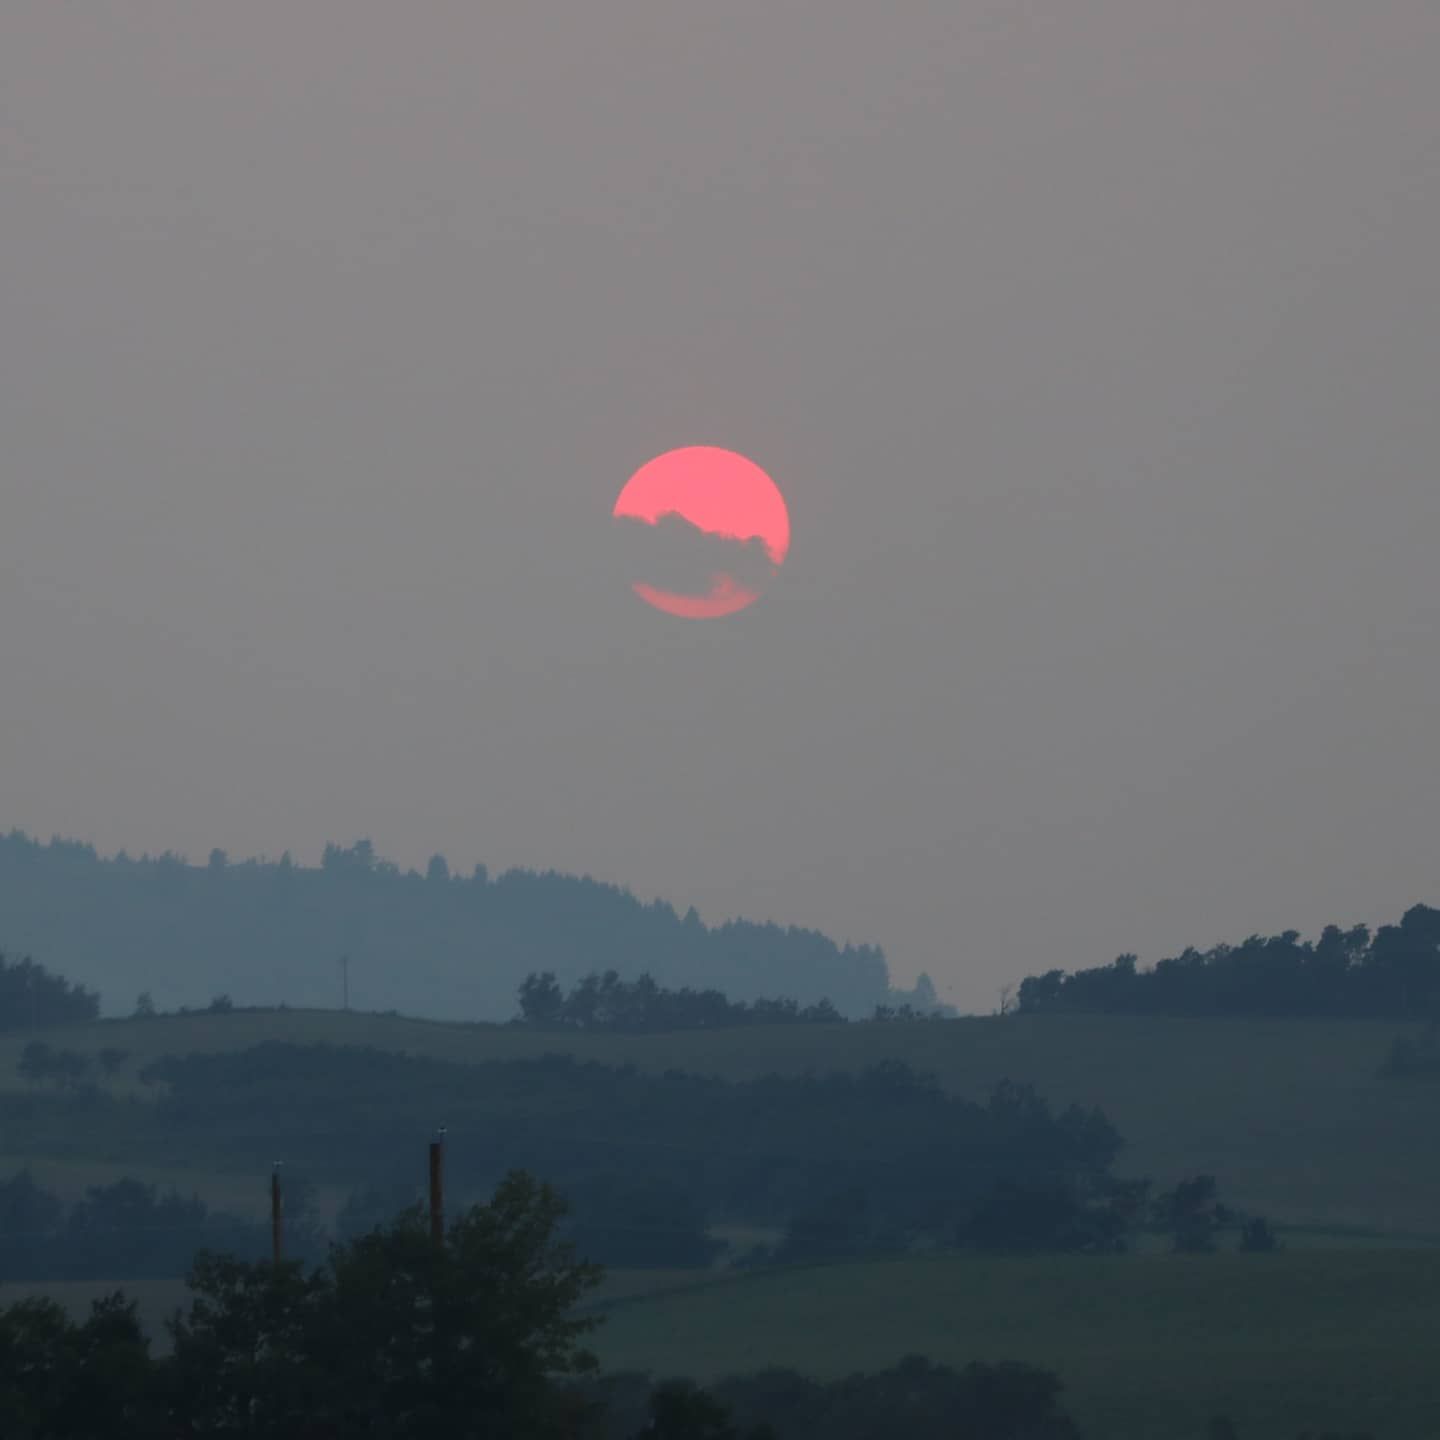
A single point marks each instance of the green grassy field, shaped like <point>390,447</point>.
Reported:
<point>1149,1347</point>
<point>1288,1114</point>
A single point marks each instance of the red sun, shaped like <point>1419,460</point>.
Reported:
<point>718,528</point>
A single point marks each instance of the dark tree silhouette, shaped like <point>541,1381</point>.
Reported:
<point>30,996</point>
<point>1395,973</point>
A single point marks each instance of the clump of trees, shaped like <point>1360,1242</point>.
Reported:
<point>127,1230</point>
<point>921,1003</point>
<point>390,1334</point>
<point>606,1002</point>
<point>1393,973</point>
<point>30,996</point>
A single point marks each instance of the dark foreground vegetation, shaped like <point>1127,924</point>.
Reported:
<point>398,1336</point>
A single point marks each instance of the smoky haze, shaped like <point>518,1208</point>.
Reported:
<point>1094,348</point>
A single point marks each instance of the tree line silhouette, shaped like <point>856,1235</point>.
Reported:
<point>30,996</point>
<point>128,1230</point>
<point>606,1002</point>
<point>1393,973</point>
<point>437,943</point>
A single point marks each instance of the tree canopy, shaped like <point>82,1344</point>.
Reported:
<point>1393,973</point>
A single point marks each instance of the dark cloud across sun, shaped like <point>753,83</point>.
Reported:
<point>677,556</point>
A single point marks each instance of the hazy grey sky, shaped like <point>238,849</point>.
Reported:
<point>1095,345</point>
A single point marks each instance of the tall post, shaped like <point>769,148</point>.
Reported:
<point>277,1220</point>
<point>437,1187</point>
<point>345,980</point>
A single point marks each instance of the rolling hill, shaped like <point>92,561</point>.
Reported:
<point>438,944</point>
<point>1290,1115</point>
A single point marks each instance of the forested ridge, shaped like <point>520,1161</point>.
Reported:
<point>437,944</point>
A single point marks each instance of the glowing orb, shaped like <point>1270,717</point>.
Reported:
<point>707,528</point>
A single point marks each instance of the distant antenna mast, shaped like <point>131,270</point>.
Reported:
<point>345,981</point>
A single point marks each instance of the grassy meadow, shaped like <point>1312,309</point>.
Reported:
<point>1149,1347</point>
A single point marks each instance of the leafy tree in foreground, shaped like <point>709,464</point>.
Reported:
<point>60,1381</point>
<point>394,1335</point>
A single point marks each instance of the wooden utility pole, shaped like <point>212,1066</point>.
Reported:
<point>277,1216</point>
<point>437,1187</point>
<point>345,980</point>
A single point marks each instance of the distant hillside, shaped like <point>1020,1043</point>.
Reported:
<point>435,945</point>
<point>1292,1116</point>
<point>1392,974</point>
